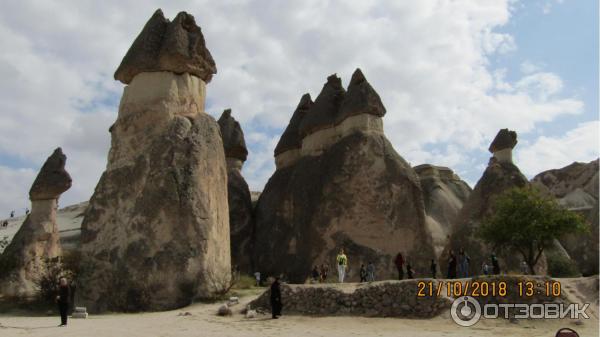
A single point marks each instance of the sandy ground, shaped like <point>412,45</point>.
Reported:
<point>203,321</point>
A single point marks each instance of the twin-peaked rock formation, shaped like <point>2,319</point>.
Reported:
<point>339,183</point>
<point>241,221</point>
<point>24,260</point>
<point>156,232</point>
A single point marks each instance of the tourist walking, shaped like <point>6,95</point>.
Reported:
<point>399,262</point>
<point>12,214</point>
<point>409,271</point>
<point>370,272</point>
<point>463,263</point>
<point>524,268</point>
<point>485,268</point>
<point>276,304</point>
<point>315,274</point>
<point>433,268</point>
<point>342,264</point>
<point>62,298</point>
<point>257,278</point>
<point>495,264</point>
<point>451,265</point>
<point>324,272</point>
<point>363,273</point>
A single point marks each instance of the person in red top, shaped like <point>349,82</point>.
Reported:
<point>399,264</point>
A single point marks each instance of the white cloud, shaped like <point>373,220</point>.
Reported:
<point>580,144</point>
<point>429,61</point>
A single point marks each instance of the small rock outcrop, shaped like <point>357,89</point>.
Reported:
<point>23,261</point>
<point>156,232</point>
<point>162,45</point>
<point>444,194</point>
<point>339,183</point>
<point>576,187</point>
<point>500,175</point>
<point>241,219</point>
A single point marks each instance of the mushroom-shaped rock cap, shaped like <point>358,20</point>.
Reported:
<point>290,139</point>
<point>163,45</point>
<point>323,112</point>
<point>360,98</point>
<point>233,137</point>
<point>52,180</point>
<point>505,139</point>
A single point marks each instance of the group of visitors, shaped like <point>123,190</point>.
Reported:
<point>319,273</point>
<point>458,263</point>
<point>491,269</point>
<point>399,262</point>
<point>367,274</point>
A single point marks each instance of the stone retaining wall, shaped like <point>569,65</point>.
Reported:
<point>377,299</point>
<point>397,298</point>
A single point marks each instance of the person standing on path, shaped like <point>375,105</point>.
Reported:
<point>433,268</point>
<point>399,262</point>
<point>62,298</point>
<point>370,272</point>
<point>276,304</point>
<point>342,264</point>
<point>451,265</point>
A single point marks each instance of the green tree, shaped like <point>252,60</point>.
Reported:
<point>527,222</point>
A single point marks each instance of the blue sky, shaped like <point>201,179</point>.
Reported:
<point>450,73</point>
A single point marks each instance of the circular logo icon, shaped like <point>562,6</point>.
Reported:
<point>465,311</point>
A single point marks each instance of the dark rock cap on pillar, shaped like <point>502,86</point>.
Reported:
<point>360,98</point>
<point>290,139</point>
<point>505,139</point>
<point>233,137</point>
<point>53,179</point>
<point>163,45</point>
<point>324,111</point>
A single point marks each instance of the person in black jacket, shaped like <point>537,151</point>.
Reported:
<point>63,298</point>
<point>452,265</point>
<point>276,304</point>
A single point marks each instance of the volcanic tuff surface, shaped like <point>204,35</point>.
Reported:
<point>344,186</point>
<point>162,45</point>
<point>241,217</point>
<point>444,195</point>
<point>500,175</point>
<point>156,232</point>
<point>576,187</point>
<point>24,259</point>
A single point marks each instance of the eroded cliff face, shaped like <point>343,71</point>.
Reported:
<point>23,261</point>
<point>444,194</point>
<point>241,210</point>
<point>344,186</point>
<point>576,187</point>
<point>156,232</point>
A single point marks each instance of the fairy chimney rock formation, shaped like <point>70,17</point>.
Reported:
<point>37,240</point>
<point>156,231</point>
<point>503,144</point>
<point>444,194</point>
<point>500,175</point>
<point>177,47</point>
<point>233,140</point>
<point>288,148</point>
<point>241,220</point>
<point>339,183</point>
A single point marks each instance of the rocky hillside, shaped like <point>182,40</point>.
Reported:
<point>576,187</point>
